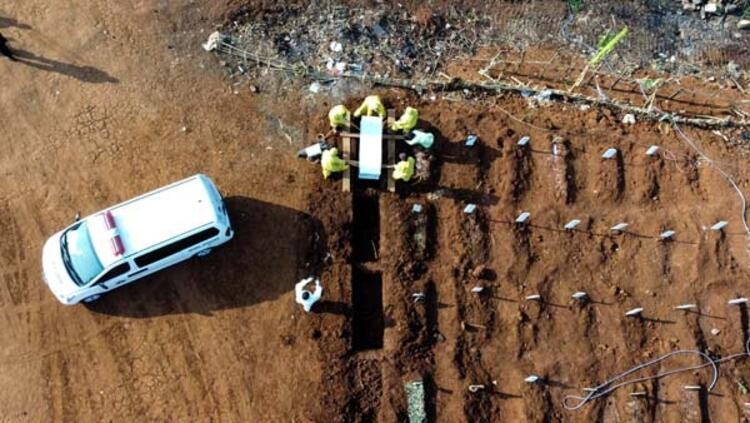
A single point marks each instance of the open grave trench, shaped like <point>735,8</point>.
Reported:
<point>452,335</point>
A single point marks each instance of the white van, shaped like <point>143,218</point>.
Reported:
<point>133,239</point>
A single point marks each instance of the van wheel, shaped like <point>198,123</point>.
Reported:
<point>92,298</point>
<point>203,253</point>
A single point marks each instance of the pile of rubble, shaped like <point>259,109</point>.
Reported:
<point>721,8</point>
<point>334,38</point>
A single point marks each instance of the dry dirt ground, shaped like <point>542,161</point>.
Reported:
<point>111,100</point>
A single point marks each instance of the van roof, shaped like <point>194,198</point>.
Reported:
<point>157,216</point>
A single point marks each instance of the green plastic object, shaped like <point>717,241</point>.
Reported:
<point>606,46</point>
<point>415,399</point>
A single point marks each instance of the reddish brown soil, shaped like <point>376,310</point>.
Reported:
<point>221,339</point>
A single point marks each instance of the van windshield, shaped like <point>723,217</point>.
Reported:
<point>78,254</point>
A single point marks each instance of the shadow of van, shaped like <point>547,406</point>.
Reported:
<point>273,247</point>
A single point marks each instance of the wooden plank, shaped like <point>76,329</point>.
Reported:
<point>346,183</point>
<point>391,147</point>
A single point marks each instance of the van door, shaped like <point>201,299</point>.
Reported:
<point>110,279</point>
<point>176,251</point>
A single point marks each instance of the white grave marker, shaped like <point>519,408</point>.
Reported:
<point>634,312</point>
<point>471,140</point>
<point>692,387</point>
<point>523,217</point>
<point>686,307</point>
<point>667,234</point>
<point>572,224</point>
<point>531,379</point>
<point>580,295</point>
<point>524,141</point>
<point>619,227</point>
<point>719,225</point>
<point>610,153</point>
<point>652,150</point>
<point>417,208</point>
<point>477,289</point>
<point>535,297</point>
<point>737,301</point>
<point>470,208</point>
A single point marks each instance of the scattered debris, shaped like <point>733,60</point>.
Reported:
<point>336,47</point>
<point>475,388</point>
<point>213,41</point>
<point>387,40</point>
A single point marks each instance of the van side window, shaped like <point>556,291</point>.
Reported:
<point>176,247</point>
<point>114,272</point>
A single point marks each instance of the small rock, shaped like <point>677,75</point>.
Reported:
<point>743,24</point>
<point>711,8</point>
<point>379,31</point>
<point>314,87</point>
<point>733,69</point>
<point>253,89</point>
<point>628,119</point>
<point>715,331</point>
<point>336,46</point>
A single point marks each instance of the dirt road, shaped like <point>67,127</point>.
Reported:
<point>111,100</point>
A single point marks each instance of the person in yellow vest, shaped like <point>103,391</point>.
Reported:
<point>371,106</point>
<point>404,169</point>
<point>407,121</point>
<point>332,163</point>
<point>338,117</point>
